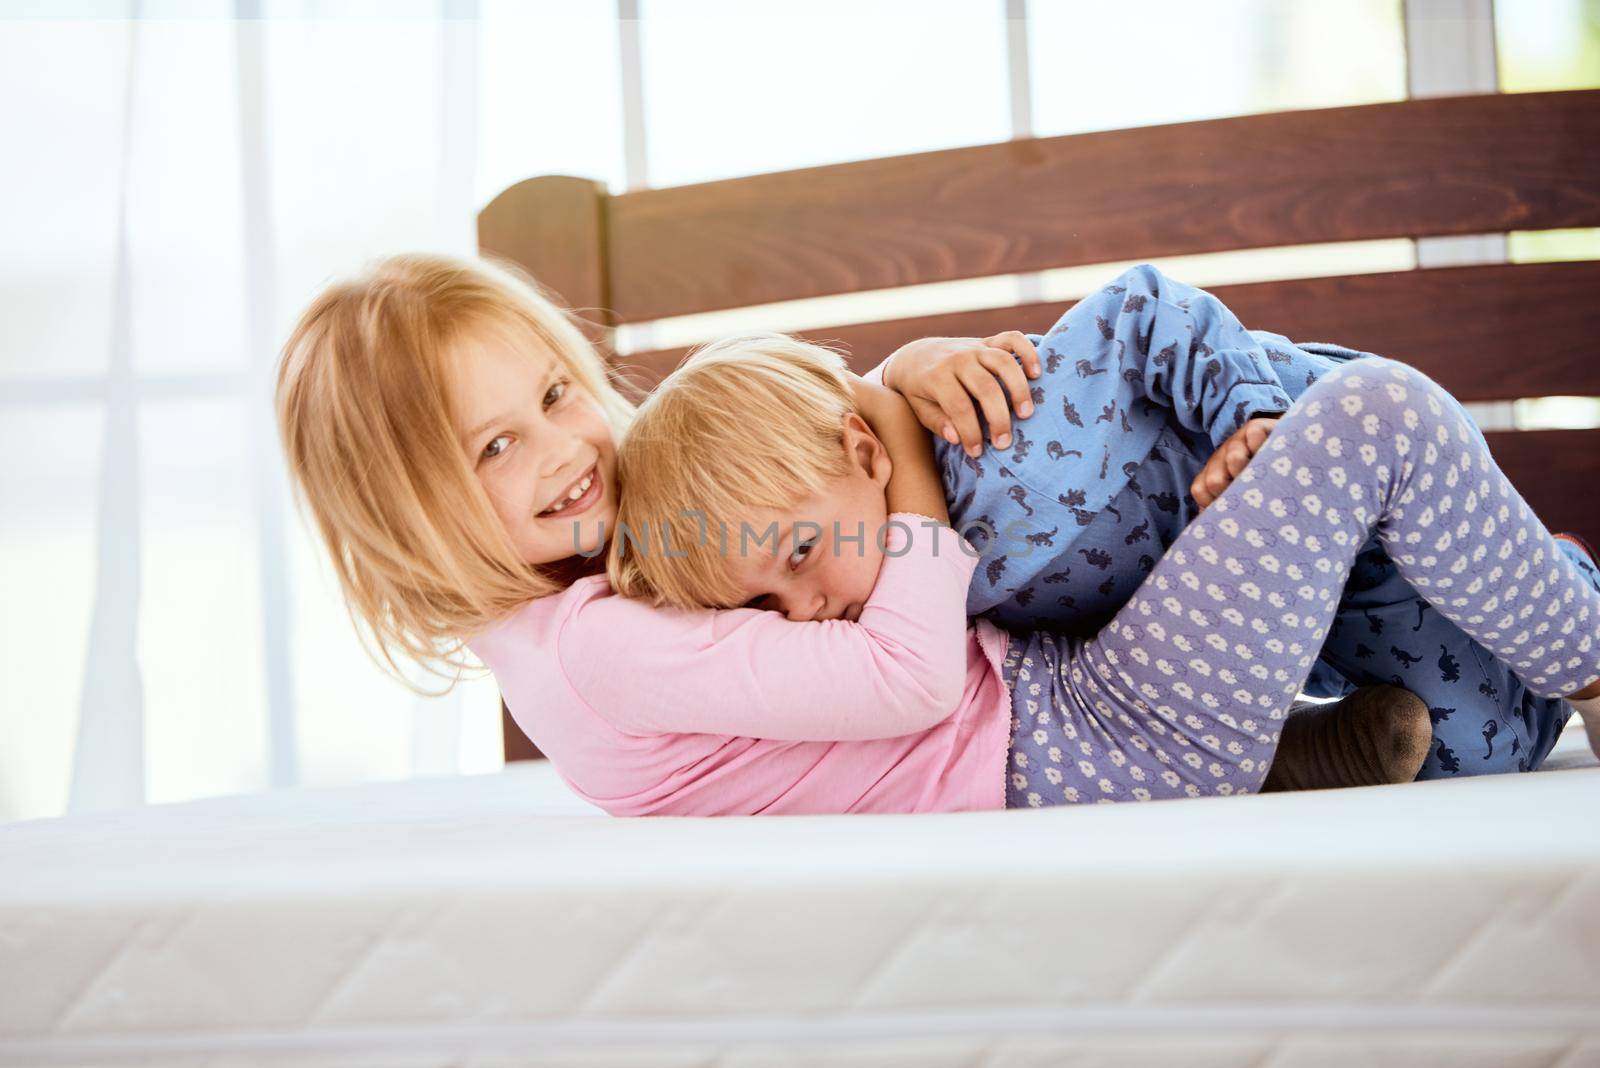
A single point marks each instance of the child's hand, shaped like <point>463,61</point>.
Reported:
<point>1231,457</point>
<point>941,377</point>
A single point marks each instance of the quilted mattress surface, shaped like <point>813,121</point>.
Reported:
<point>498,920</point>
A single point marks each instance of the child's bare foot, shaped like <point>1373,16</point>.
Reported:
<point>1589,709</point>
<point>1591,727</point>
<point>1376,735</point>
<point>1587,700</point>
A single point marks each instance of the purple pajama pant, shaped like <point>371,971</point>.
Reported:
<point>1184,692</point>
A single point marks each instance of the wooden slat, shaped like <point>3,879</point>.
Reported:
<point>869,343</point>
<point>1557,472</point>
<point>1450,165</point>
<point>1494,332</point>
<point>517,744</point>
<point>554,227</point>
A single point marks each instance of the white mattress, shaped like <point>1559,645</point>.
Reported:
<point>497,920</point>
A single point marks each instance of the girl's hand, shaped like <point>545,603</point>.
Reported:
<point>941,377</point>
<point>1231,457</point>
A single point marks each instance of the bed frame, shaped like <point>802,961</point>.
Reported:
<point>1414,169</point>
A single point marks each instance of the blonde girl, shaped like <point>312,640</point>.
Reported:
<point>430,542</point>
<point>452,434</point>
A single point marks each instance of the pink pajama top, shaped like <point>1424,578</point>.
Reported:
<point>666,711</point>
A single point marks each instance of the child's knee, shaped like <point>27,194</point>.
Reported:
<point>1143,278</point>
<point>1385,384</point>
<point>1124,293</point>
<point>1383,404</point>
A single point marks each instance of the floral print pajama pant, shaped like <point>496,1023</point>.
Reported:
<point>1183,692</point>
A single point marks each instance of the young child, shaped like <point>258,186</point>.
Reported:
<point>791,393</point>
<point>1155,381</point>
<point>1181,693</point>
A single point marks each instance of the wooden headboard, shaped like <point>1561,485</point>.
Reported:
<point>1414,169</point>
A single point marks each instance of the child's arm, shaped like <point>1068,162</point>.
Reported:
<point>899,669</point>
<point>1158,339</point>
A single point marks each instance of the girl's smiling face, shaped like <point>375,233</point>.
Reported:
<point>539,444</point>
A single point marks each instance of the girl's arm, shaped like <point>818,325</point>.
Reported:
<point>899,669</point>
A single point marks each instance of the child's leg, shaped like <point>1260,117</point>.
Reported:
<point>1484,719</point>
<point>1587,560</point>
<point>1189,681</point>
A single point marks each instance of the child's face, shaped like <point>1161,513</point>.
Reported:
<point>818,568</point>
<point>533,436</point>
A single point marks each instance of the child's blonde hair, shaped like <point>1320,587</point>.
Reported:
<point>754,421</point>
<point>364,404</point>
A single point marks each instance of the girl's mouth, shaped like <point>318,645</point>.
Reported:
<point>588,490</point>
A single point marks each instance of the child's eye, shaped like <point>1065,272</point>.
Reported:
<point>487,455</point>
<point>560,386</point>
<point>801,550</point>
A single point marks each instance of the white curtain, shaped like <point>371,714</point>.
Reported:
<point>179,177</point>
<point>176,182</point>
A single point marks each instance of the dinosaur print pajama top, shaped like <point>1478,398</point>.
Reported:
<point>1142,381</point>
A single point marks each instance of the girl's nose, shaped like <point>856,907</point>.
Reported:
<point>562,457</point>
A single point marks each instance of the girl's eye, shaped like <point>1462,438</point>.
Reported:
<point>487,455</point>
<point>801,550</point>
<point>561,386</point>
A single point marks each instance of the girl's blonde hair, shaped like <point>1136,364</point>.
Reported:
<point>754,421</point>
<point>364,400</point>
